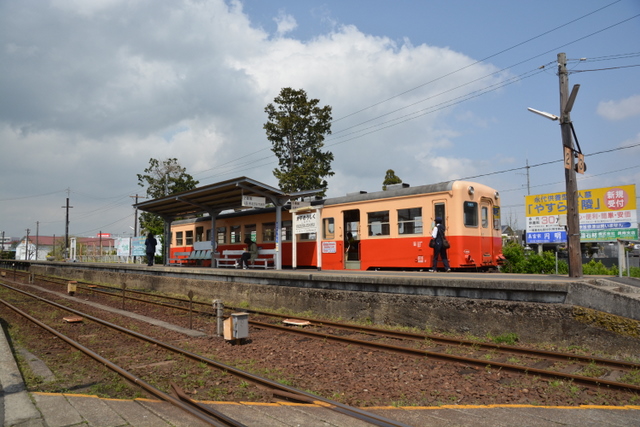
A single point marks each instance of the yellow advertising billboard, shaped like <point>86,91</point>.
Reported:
<point>606,214</point>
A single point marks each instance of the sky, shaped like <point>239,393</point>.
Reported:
<point>90,91</point>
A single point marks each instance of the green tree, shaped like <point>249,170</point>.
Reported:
<point>296,128</point>
<point>162,179</point>
<point>390,178</point>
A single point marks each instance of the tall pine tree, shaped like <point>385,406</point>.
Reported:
<point>296,128</point>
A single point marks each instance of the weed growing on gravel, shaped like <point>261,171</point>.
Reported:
<point>514,360</point>
<point>592,370</point>
<point>216,393</point>
<point>576,349</point>
<point>510,338</point>
<point>632,359</point>
<point>490,355</point>
<point>400,403</point>
<point>632,377</point>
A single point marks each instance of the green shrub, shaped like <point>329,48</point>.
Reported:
<point>518,262</point>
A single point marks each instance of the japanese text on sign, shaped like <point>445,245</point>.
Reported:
<point>305,223</point>
<point>605,214</point>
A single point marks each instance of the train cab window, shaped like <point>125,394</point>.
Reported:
<point>221,235</point>
<point>208,235</point>
<point>250,232</point>
<point>178,238</point>
<point>189,238</point>
<point>236,237</point>
<point>470,214</point>
<point>199,234</point>
<point>484,212</point>
<point>328,228</point>
<point>378,223</point>
<point>269,232</point>
<point>410,221</point>
<point>496,218</point>
<point>286,233</point>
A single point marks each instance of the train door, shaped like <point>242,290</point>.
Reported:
<point>486,230</point>
<point>440,212</point>
<point>352,239</point>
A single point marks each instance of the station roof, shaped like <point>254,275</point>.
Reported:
<point>215,198</point>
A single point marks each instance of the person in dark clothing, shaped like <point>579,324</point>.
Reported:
<point>150,245</point>
<point>249,255</point>
<point>439,250</point>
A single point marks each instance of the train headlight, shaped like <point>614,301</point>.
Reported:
<point>470,190</point>
<point>497,195</point>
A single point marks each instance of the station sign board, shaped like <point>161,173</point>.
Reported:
<point>295,204</point>
<point>254,202</point>
<point>305,223</point>
<point>605,215</point>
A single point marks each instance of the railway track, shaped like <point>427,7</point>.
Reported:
<point>587,370</point>
<point>179,398</point>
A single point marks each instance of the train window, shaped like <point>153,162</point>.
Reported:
<point>378,223</point>
<point>199,234</point>
<point>178,238</point>
<point>470,212</point>
<point>285,235</point>
<point>221,233</point>
<point>269,232</point>
<point>250,232</point>
<point>496,218</point>
<point>329,228</point>
<point>235,234</point>
<point>410,221</point>
<point>208,235</point>
<point>189,238</point>
<point>485,216</point>
<point>439,211</point>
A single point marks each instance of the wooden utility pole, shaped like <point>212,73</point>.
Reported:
<point>66,227</point>
<point>573,218</point>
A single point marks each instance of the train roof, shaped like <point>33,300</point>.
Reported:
<point>396,191</point>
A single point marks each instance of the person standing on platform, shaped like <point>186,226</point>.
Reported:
<point>150,245</point>
<point>439,250</point>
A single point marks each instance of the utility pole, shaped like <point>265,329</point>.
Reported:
<point>573,219</point>
<point>66,228</point>
<point>26,246</point>
<point>37,238</point>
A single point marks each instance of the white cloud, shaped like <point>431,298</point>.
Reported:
<point>99,90</point>
<point>621,109</point>
<point>285,23</point>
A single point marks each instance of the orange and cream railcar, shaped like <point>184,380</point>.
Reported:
<point>366,231</point>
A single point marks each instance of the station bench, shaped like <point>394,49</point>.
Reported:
<point>201,252</point>
<point>265,258</point>
<point>179,258</point>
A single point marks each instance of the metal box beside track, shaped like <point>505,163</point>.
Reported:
<point>237,326</point>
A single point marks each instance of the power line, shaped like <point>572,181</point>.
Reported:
<point>405,118</point>
<point>479,61</point>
